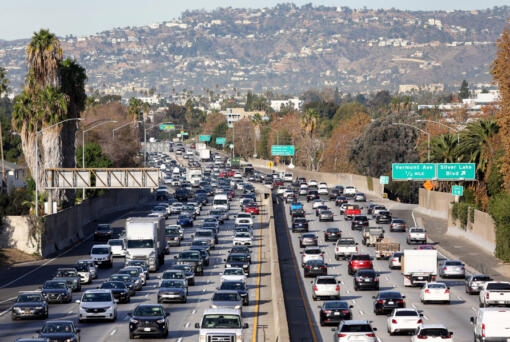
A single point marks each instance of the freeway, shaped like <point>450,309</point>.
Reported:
<point>454,316</point>
<point>183,316</point>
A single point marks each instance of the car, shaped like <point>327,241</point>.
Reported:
<point>315,267</point>
<point>102,255</point>
<point>63,330</point>
<point>226,299</point>
<point>403,321</point>
<point>192,258</point>
<point>334,312</point>
<point>29,304</point>
<point>103,232</point>
<point>299,224</point>
<point>366,278</point>
<point>386,301</point>
<point>326,215</point>
<point>349,191</point>
<point>425,247</point>
<point>70,276</point>
<point>359,221</point>
<point>397,225</point>
<point>137,273</point>
<point>355,330</point>
<point>384,216</point>
<point>92,266</point>
<point>56,291</point>
<point>148,320</point>
<point>333,194</point>
<point>239,286</point>
<point>241,249</point>
<point>127,280</point>
<point>332,234</point>
<point>84,273</point>
<point>119,290</point>
<point>298,213</point>
<point>97,304</point>
<point>173,290</point>
<point>432,332</point>
<point>308,239</point>
<point>173,236</point>
<point>251,208</point>
<point>325,286</point>
<point>318,203</point>
<point>435,292</point>
<point>475,282</point>
<point>294,206</point>
<point>242,239</point>
<point>374,210</point>
<point>204,253</point>
<point>160,210</point>
<point>312,194</point>
<point>311,253</point>
<point>238,260</point>
<point>395,261</point>
<point>233,274</point>
<point>359,262</point>
<point>416,235</point>
<point>339,200</point>
<point>118,247</point>
<point>452,269</point>
<point>188,272</point>
<point>185,220</point>
<point>360,197</point>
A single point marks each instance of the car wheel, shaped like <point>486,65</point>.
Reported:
<point>159,301</point>
<point>337,257</point>
<point>131,336</point>
<point>314,297</point>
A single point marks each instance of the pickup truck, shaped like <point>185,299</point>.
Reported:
<point>372,235</point>
<point>416,235</point>
<point>345,247</point>
<point>384,249</point>
<point>495,293</point>
<point>350,191</point>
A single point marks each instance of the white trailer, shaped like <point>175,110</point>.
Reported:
<point>194,176</point>
<point>200,146</point>
<point>204,155</point>
<point>146,241</point>
<point>419,266</point>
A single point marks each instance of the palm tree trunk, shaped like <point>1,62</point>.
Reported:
<point>52,152</point>
<point>68,138</point>
<point>28,148</point>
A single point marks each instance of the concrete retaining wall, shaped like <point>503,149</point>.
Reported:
<point>364,184</point>
<point>435,203</point>
<point>69,226</point>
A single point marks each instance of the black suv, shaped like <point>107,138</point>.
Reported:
<point>384,216</point>
<point>299,224</point>
<point>103,232</point>
<point>364,279</point>
<point>359,221</point>
<point>312,194</point>
<point>148,319</point>
<point>30,305</point>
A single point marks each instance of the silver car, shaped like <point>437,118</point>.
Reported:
<point>354,330</point>
<point>325,215</point>
<point>452,269</point>
<point>172,290</point>
<point>230,299</point>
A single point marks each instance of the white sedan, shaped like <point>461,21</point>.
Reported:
<point>435,292</point>
<point>323,189</point>
<point>317,203</point>
<point>233,274</point>
<point>432,332</point>
<point>404,321</point>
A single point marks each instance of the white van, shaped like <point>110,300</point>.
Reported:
<point>220,201</point>
<point>492,324</point>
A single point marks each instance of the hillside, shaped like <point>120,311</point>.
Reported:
<point>285,48</point>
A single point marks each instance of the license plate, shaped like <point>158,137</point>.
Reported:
<point>146,329</point>
<point>391,303</point>
<point>337,313</point>
<point>367,280</point>
<point>315,268</point>
<point>27,312</point>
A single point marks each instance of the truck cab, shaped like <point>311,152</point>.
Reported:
<point>222,325</point>
<point>146,241</point>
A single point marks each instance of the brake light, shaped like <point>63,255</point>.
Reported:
<point>371,335</point>
<point>446,291</point>
<point>427,291</point>
<point>422,337</point>
<point>394,321</point>
<point>342,335</point>
<point>444,268</point>
<point>449,336</point>
<point>483,330</point>
<point>380,301</point>
<point>315,288</point>
<point>323,267</point>
<point>345,311</point>
<point>376,279</point>
<point>487,295</point>
<point>419,321</point>
<point>327,311</point>
<point>337,288</point>
<point>307,267</point>
<point>400,301</point>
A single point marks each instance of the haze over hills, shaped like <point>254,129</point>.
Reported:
<point>287,49</point>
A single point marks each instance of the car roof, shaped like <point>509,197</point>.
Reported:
<point>97,291</point>
<point>101,245</point>
<point>355,322</point>
<point>432,326</point>
<point>226,311</point>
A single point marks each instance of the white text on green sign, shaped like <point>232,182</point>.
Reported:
<point>221,141</point>
<point>282,150</point>
<point>205,138</point>
<point>456,171</point>
<point>457,190</point>
<point>413,171</point>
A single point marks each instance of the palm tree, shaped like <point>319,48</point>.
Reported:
<point>309,121</point>
<point>443,149</point>
<point>44,54</point>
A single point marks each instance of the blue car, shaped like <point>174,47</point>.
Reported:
<point>185,221</point>
<point>295,206</point>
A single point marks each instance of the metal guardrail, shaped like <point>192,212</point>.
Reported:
<point>101,178</point>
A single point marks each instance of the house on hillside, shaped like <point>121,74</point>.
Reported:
<point>235,114</point>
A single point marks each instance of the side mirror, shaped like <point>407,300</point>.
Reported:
<point>403,296</point>
<point>451,333</point>
<point>175,256</point>
<point>167,314</point>
<point>374,329</point>
<point>245,326</point>
<point>373,297</point>
<point>78,301</point>
<point>333,329</point>
<point>351,306</point>
<point>129,314</point>
<point>78,330</point>
<point>472,320</point>
<point>38,331</point>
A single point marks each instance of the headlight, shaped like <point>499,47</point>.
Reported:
<point>134,321</point>
<point>239,338</point>
<point>160,321</point>
<point>17,309</point>
<point>228,265</point>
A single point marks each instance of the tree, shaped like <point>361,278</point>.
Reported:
<point>44,54</point>
<point>500,70</point>
<point>4,82</point>
<point>444,149</point>
<point>244,135</point>
<point>94,157</point>
<point>464,90</point>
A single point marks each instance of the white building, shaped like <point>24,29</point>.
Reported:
<point>154,99</point>
<point>295,103</point>
<point>15,175</point>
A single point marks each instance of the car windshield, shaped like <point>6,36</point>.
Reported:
<point>103,228</point>
<point>140,243</point>
<point>221,322</point>
<point>406,313</point>
<point>203,234</point>
<point>115,242</point>
<point>499,286</point>
<point>66,274</point>
<point>99,250</point>
<point>236,258</point>
<point>96,297</point>
<point>417,230</point>
<point>54,285</point>
<point>82,268</point>
<point>148,311</point>
<point>173,275</point>
<point>363,328</point>
<point>313,251</point>
<point>434,332</point>
<point>346,242</point>
<point>172,283</point>
<point>233,285</point>
<point>29,298</point>
<point>57,327</point>
<point>436,286</point>
<point>453,263</point>
<point>332,230</point>
<point>390,295</point>
<point>360,257</point>
<point>361,218</point>
<point>336,305</point>
<point>189,255</point>
<point>314,262</point>
<point>113,285</point>
<point>481,278</point>
<point>233,271</point>
<point>326,281</point>
<point>226,296</point>
<point>122,278</point>
<point>243,235</point>
<point>133,273</point>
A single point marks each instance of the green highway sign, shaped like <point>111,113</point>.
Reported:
<point>166,127</point>
<point>282,150</point>
<point>205,138</point>
<point>457,190</point>
<point>413,171</point>
<point>456,171</point>
<point>221,141</point>
<point>384,180</point>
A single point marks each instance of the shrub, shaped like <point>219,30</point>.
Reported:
<point>461,211</point>
<point>499,209</point>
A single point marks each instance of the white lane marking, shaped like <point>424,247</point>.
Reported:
<point>187,324</point>
<point>147,295</point>
<point>180,339</point>
<point>386,278</point>
<point>8,300</point>
<point>361,313</point>
<point>459,298</point>
<point>4,312</point>
<point>354,301</point>
<point>413,305</point>
<point>70,312</point>
<point>412,215</point>
<point>473,308</point>
<point>348,291</point>
<point>113,332</point>
<point>425,317</point>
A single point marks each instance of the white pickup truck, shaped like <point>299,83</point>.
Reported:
<point>345,247</point>
<point>417,235</point>
<point>495,293</point>
<point>350,191</point>
<point>222,325</point>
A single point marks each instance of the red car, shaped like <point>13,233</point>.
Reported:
<point>359,262</point>
<point>251,208</point>
<point>223,174</point>
<point>278,182</point>
<point>231,173</point>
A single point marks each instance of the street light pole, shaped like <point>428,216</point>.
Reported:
<point>116,129</point>
<point>83,146</point>
<point>421,130</point>
<point>37,160</point>
<point>442,124</point>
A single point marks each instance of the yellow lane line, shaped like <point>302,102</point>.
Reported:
<point>257,296</point>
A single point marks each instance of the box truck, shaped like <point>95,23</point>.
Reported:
<point>146,241</point>
<point>419,266</point>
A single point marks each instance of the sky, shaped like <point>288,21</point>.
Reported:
<point>20,18</point>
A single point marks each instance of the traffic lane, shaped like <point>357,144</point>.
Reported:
<point>454,314</point>
<point>36,275</point>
